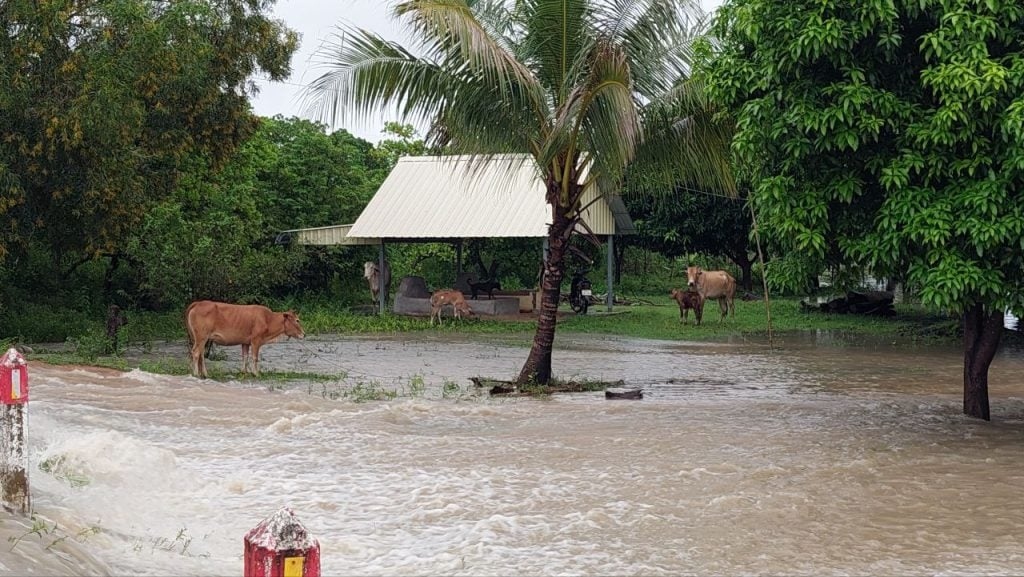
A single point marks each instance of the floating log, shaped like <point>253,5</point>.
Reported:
<point>623,393</point>
<point>510,388</point>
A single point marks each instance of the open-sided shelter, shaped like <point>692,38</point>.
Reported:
<point>450,198</point>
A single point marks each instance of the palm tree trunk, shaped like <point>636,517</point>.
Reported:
<point>538,365</point>
<point>982,333</point>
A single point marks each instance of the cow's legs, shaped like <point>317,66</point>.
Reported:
<point>245,357</point>
<point>198,364</point>
<point>256,359</point>
<point>723,307</point>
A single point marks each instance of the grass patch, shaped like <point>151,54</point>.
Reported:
<point>661,321</point>
<point>61,470</point>
<point>72,358</point>
<point>655,317</point>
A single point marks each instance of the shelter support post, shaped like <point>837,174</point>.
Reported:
<point>610,266</point>
<point>458,258</point>
<point>382,288</point>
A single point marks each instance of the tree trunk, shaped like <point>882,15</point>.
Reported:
<point>746,270</point>
<point>108,277</point>
<point>538,365</point>
<point>982,333</point>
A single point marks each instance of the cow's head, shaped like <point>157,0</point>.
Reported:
<point>693,276</point>
<point>462,309</point>
<point>292,326</point>
<point>369,269</point>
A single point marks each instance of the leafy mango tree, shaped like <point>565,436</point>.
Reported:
<point>104,103</point>
<point>583,86</point>
<point>892,132</point>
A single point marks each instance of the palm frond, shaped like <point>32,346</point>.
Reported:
<point>452,31</point>
<point>659,36</point>
<point>556,33</point>
<point>611,123</point>
<point>685,142</point>
<point>366,73</point>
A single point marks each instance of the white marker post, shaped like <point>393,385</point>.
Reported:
<point>14,495</point>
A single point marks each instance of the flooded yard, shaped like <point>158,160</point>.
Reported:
<point>819,457</point>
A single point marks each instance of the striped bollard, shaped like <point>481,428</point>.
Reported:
<point>14,495</point>
<point>281,547</point>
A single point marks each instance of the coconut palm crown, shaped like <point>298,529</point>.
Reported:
<point>586,87</point>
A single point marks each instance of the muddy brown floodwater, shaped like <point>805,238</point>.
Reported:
<point>821,457</point>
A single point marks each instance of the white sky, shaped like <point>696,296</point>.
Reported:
<point>315,21</point>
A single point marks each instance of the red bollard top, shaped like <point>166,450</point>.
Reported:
<point>12,359</point>
<point>281,547</point>
<point>282,531</point>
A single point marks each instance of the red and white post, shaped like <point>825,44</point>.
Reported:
<point>281,547</point>
<point>14,495</point>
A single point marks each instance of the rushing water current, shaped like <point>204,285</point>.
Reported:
<point>818,457</point>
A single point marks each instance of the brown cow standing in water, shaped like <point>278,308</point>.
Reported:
<point>251,326</point>
<point>713,284</point>
<point>689,300</point>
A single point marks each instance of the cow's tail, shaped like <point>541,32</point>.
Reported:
<point>188,325</point>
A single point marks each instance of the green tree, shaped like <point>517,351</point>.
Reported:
<point>695,222</point>
<point>102,101</point>
<point>305,177</point>
<point>402,140</point>
<point>215,238</point>
<point>584,86</point>
<point>209,240</point>
<point>892,133</point>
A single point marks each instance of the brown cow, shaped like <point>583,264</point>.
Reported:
<point>713,284</point>
<point>452,297</point>
<point>689,300</point>
<point>251,326</point>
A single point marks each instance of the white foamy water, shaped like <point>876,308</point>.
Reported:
<point>740,460</point>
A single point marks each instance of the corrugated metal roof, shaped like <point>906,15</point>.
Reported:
<point>326,236</point>
<point>466,197</point>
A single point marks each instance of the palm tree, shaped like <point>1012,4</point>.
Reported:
<point>586,87</point>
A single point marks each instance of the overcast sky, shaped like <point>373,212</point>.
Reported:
<point>315,20</point>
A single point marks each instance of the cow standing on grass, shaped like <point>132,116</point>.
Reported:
<point>372,274</point>
<point>713,284</point>
<point>445,297</point>
<point>689,300</point>
<point>251,326</point>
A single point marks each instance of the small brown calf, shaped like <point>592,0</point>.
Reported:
<point>452,297</point>
<point>689,300</point>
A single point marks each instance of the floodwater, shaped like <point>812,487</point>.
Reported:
<point>821,457</point>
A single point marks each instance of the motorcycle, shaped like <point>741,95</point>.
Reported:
<point>580,292</point>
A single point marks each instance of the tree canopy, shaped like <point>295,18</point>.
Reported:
<point>890,134</point>
<point>695,222</point>
<point>102,103</point>
<point>215,236</point>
